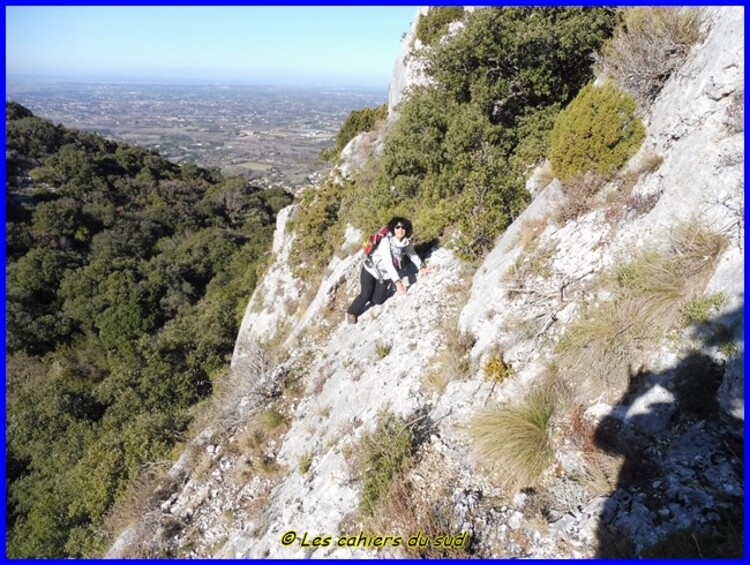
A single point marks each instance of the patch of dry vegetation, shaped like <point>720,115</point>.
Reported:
<point>579,197</point>
<point>648,46</point>
<point>648,293</point>
<point>404,513</point>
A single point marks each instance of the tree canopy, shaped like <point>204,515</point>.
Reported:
<point>127,276</point>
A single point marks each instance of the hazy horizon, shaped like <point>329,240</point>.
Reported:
<point>330,46</point>
<point>19,79</point>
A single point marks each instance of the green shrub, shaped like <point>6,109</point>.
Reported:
<point>647,46</point>
<point>510,60</point>
<point>316,229</point>
<point>514,441</point>
<point>385,457</point>
<point>492,196</point>
<point>597,132</point>
<point>533,133</point>
<point>434,25</point>
<point>358,121</point>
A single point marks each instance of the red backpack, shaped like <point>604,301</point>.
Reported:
<point>374,239</point>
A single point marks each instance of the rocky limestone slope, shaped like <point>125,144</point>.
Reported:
<point>244,483</point>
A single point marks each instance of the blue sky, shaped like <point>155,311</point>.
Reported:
<point>331,45</point>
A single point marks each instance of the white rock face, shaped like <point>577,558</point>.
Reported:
<point>407,70</point>
<point>356,385</point>
<point>274,296</point>
<point>354,155</point>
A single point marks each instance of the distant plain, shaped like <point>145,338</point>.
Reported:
<point>272,134</point>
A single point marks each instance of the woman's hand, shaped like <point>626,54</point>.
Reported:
<point>424,270</point>
<point>400,287</point>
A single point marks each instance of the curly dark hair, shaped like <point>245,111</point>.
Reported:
<point>403,221</point>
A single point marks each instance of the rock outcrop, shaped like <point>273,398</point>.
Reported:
<point>408,70</point>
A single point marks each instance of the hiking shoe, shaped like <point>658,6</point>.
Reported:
<point>351,318</point>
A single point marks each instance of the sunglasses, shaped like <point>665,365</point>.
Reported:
<point>400,227</point>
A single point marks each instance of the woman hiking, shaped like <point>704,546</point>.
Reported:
<point>383,265</point>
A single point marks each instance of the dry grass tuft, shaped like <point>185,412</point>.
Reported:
<point>515,441</point>
<point>649,162</point>
<point>436,380</point>
<point>544,175</point>
<point>153,485</point>
<point>530,232</point>
<point>452,363</point>
<point>698,248</point>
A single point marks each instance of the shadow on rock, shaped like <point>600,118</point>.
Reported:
<point>680,491</point>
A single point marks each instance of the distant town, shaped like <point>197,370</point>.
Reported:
<point>270,134</point>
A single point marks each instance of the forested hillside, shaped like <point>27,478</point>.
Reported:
<point>126,280</point>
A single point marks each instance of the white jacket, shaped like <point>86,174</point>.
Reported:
<point>382,266</point>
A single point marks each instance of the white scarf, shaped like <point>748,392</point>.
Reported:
<point>398,250</point>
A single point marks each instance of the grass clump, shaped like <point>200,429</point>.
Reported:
<point>269,420</point>
<point>649,296</point>
<point>515,440</point>
<point>700,309</point>
<point>385,457</point>
<point>304,463</point>
<point>404,512</point>
<point>456,362</point>
<point>452,362</point>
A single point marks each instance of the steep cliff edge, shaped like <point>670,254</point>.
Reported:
<point>673,466</point>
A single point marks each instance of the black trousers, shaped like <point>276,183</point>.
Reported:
<point>372,290</point>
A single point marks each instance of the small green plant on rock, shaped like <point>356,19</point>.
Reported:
<point>496,369</point>
<point>382,349</point>
<point>700,309</point>
<point>304,463</point>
